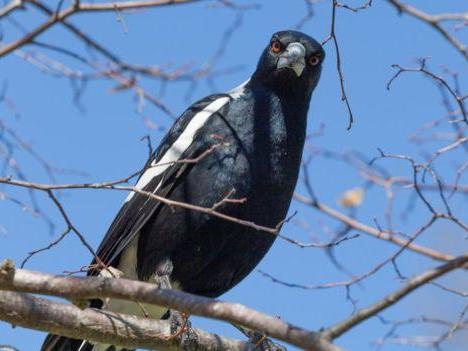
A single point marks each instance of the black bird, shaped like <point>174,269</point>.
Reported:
<point>248,145</point>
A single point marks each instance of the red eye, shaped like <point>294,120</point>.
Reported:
<point>314,60</point>
<point>276,47</point>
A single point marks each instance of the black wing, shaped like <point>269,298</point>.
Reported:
<point>136,212</point>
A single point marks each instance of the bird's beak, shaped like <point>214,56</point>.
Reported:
<point>293,57</point>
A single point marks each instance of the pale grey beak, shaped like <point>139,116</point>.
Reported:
<point>293,57</point>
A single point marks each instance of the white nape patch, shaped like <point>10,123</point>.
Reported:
<point>238,91</point>
<point>180,145</point>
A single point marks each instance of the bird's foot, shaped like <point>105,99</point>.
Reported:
<point>265,344</point>
<point>162,274</point>
<point>107,272</point>
<point>111,272</point>
<point>182,328</point>
<point>260,340</point>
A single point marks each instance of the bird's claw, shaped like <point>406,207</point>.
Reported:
<point>182,328</point>
<point>268,345</point>
<point>109,272</point>
<point>262,342</point>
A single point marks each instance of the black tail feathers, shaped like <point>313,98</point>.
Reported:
<point>62,343</point>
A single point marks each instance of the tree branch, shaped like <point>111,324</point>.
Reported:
<point>113,186</point>
<point>74,288</point>
<point>129,5</point>
<point>105,327</point>
<point>379,234</point>
<point>332,36</point>
<point>434,21</point>
<point>391,299</point>
<point>10,7</point>
<point>82,7</point>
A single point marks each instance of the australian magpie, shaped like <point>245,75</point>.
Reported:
<point>239,151</point>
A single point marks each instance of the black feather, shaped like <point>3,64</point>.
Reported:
<point>255,140</point>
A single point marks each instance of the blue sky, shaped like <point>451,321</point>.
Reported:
<point>104,142</point>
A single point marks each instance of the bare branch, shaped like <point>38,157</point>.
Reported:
<point>422,68</point>
<point>129,5</point>
<point>81,7</point>
<point>435,22</point>
<point>13,5</point>
<point>104,327</point>
<point>364,6</point>
<point>332,37</point>
<point>412,284</point>
<point>382,235</point>
<point>112,186</point>
<point>74,288</point>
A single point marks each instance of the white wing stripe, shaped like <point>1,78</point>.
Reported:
<point>180,145</point>
<point>82,344</point>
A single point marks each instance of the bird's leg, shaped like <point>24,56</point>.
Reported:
<point>180,324</point>
<point>110,272</point>
<point>163,273</point>
<point>260,340</point>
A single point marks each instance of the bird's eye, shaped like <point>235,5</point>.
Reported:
<point>276,46</point>
<point>314,60</point>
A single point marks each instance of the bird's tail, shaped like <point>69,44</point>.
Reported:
<point>62,343</point>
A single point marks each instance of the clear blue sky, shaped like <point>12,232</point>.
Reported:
<point>104,141</point>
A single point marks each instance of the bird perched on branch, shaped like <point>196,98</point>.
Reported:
<point>235,157</point>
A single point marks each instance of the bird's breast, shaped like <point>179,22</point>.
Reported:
<point>266,146</point>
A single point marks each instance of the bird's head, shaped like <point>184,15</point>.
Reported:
<point>291,63</point>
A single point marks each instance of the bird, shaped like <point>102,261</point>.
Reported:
<point>238,153</point>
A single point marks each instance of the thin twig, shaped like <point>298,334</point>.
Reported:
<point>435,22</point>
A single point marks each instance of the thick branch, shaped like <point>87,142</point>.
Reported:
<point>104,327</point>
<point>391,299</point>
<point>74,288</point>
